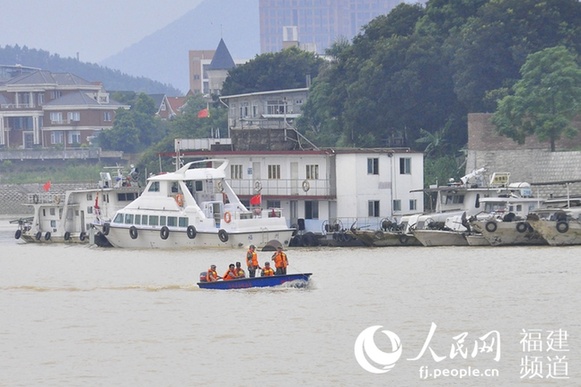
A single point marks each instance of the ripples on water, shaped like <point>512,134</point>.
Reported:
<point>76,315</point>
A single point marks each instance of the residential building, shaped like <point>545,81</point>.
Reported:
<point>327,186</point>
<point>40,109</point>
<point>168,107</point>
<point>315,24</point>
<point>209,69</point>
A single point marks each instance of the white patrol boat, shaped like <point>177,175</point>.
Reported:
<point>194,207</point>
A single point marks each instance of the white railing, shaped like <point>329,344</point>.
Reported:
<point>283,187</point>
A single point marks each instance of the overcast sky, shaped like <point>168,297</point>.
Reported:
<point>96,29</point>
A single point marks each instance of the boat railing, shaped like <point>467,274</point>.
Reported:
<point>46,198</point>
<point>283,187</point>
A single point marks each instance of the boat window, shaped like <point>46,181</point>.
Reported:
<point>52,212</point>
<point>183,222</point>
<point>154,187</point>
<point>153,220</point>
<point>174,187</point>
<point>53,223</point>
<point>162,221</point>
<point>172,221</point>
<point>137,219</point>
<point>144,219</point>
<point>118,218</point>
<point>128,218</point>
<point>199,185</point>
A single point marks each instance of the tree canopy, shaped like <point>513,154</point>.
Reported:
<point>287,69</point>
<point>545,100</point>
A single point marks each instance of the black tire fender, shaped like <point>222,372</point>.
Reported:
<point>522,227</point>
<point>223,235</point>
<point>491,226</point>
<point>133,232</point>
<point>191,231</point>
<point>17,234</point>
<point>164,232</point>
<point>106,228</point>
<point>562,226</point>
<point>47,236</point>
<point>67,236</point>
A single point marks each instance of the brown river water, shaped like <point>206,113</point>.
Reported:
<point>463,316</point>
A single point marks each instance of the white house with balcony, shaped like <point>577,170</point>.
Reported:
<point>315,188</point>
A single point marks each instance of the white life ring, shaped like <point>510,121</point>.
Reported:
<point>227,217</point>
<point>257,186</point>
<point>306,186</point>
<point>180,200</point>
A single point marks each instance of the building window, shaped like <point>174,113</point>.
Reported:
<point>74,116</point>
<point>274,171</point>
<point>397,205</point>
<point>54,94</point>
<point>405,166</point>
<point>56,117</point>
<point>273,204</point>
<point>74,137</point>
<point>312,172</point>
<point>57,138</point>
<point>413,204</point>
<point>254,111</point>
<point>373,208</point>
<point>373,166</point>
<point>236,172</point>
<point>311,209</point>
<point>276,107</point>
<point>107,116</point>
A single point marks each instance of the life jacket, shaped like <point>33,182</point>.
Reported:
<point>280,260</point>
<point>230,275</point>
<point>212,275</point>
<point>251,259</point>
<point>267,272</point>
<point>240,272</point>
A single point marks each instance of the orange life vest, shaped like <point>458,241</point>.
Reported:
<point>230,275</point>
<point>212,275</point>
<point>280,260</point>
<point>267,272</point>
<point>251,259</point>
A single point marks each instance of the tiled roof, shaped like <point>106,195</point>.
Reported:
<point>222,59</point>
<point>79,98</point>
<point>46,77</point>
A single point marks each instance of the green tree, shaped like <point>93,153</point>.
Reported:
<point>135,129</point>
<point>545,100</point>
<point>287,69</point>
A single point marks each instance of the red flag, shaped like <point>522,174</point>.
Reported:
<point>46,186</point>
<point>256,200</point>
<point>204,113</point>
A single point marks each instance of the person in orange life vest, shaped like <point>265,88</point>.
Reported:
<point>240,273</point>
<point>280,261</point>
<point>252,261</point>
<point>212,274</point>
<point>267,270</point>
<point>231,273</point>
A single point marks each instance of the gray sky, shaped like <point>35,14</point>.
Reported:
<point>96,29</point>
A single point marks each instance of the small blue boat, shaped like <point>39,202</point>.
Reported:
<point>258,282</point>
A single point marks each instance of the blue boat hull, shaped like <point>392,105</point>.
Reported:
<point>256,282</point>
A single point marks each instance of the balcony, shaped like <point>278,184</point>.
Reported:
<point>284,187</point>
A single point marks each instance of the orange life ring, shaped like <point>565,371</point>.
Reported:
<point>180,200</point>
<point>227,217</point>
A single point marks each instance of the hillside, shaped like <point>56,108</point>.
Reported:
<point>112,79</point>
<point>164,55</point>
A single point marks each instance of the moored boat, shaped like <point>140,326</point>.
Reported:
<point>503,221</point>
<point>294,280</point>
<point>194,207</point>
<point>69,217</point>
<point>559,227</point>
